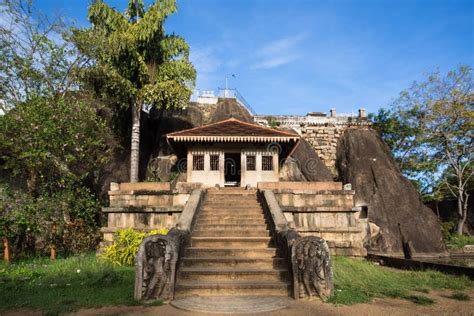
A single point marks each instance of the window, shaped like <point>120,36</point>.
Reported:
<point>198,162</point>
<point>251,165</point>
<point>267,163</point>
<point>214,162</point>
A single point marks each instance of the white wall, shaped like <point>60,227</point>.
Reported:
<point>211,178</point>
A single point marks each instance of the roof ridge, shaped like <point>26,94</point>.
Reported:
<point>232,119</point>
<point>194,128</point>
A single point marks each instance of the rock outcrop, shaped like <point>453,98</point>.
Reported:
<point>227,108</point>
<point>365,161</point>
<point>309,164</point>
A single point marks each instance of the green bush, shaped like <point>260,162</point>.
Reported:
<point>459,241</point>
<point>125,246</point>
<point>66,219</point>
<point>78,237</point>
<point>447,228</point>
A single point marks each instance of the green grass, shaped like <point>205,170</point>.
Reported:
<point>65,285</point>
<point>459,241</point>
<point>83,282</point>
<point>358,281</point>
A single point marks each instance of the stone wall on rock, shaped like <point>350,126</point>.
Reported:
<point>320,131</point>
<point>324,140</point>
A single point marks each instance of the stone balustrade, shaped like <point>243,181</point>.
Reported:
<point>322,210</point>
<point>143,206</point>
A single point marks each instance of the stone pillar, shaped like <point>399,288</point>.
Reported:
<point>333,112</point>
<point>362,113</point>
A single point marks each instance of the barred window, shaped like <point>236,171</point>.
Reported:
<point>251,165</point>
<point>198,162</point>
<point>267,163</point>
<point>214,162</point>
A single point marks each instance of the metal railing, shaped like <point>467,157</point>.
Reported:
<point>224,94</point>
<point>235,94</point>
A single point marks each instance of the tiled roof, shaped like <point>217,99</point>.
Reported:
<point>232,130</point>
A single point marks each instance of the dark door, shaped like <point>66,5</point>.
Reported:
<point>232,169</point>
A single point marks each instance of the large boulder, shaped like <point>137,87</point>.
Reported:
<point>394,205</point>
<point>309,163</point>
<point>227,108</point>
<point>290,171</point>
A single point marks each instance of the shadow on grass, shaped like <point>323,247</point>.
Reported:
<point>459,296</point>
<point>65,285</point>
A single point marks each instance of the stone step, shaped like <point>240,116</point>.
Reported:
<point>235,231</point>
<point>222,198</point>
<point>236,242</point>
<point>235,213</point>
<point>235,216</point>
<point>210,227</point>
<point>238,262</point>
<point>232,273</point>
<point>220,221</point>
<point>227,199</point>
<point>232,210</point>
<point>231,205</point>
<point>261,288</point>
<point>231,192</point>
<point>200,252</point>
<point>234,206</point>
<point>233,195</point>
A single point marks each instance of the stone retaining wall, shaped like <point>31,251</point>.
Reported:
<point>143,206</point>
<point>293,185</point>
<point>329,214</point>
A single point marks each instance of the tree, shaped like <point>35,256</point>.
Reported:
<point>430,131</point>
<point>54,143</point>
<point>134,63</point>
<point>35,60</point>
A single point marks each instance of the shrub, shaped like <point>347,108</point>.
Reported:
<point>125,246</point>
<point>459,241</point>
<point>78,237</point>
<point>447,228</point>
<point>64,219</point>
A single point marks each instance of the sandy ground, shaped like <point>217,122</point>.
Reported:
<point>386,306</point>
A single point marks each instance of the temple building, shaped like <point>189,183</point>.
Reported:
<point>233,153</point>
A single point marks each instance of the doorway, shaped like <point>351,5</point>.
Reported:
<point>232,169</point>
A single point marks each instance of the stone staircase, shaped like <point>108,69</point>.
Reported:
<point>231,251</point>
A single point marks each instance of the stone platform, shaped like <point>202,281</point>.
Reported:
<point>232,304</point>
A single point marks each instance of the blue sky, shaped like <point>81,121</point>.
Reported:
<point>293,57</point>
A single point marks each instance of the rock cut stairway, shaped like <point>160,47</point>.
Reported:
<point>231,250</point>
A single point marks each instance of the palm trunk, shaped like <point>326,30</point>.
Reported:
<point>461,216</point>
<point>135,146</point>
<point>6,251</point>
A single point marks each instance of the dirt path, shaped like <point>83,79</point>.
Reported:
<point>386,306</point>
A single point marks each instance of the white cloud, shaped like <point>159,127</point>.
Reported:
<point>279,52</point>
<point>204,59</point>
<point>275,61</point>
<point>206,63</point>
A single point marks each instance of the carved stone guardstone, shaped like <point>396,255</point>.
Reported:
<point>155,267</point>
<point>312,270</point>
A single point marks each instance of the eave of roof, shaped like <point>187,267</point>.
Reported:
<point>237,131</point>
